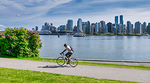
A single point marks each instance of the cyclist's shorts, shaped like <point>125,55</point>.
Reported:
<point>69,54</point>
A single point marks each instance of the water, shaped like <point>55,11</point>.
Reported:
<point>117,48</point>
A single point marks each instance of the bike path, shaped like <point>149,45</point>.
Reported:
<point>80,70</point>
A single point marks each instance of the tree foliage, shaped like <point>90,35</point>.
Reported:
<point>20,42</point>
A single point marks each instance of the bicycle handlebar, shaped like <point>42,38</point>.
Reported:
<point>62,54</point>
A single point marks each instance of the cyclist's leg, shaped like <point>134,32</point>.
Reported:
<point>68,55</point>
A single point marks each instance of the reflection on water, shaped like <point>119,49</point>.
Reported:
<point>122,48</point>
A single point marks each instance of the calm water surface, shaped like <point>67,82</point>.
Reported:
<point>118,48</point>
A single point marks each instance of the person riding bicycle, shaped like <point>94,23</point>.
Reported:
<point>69,53</point>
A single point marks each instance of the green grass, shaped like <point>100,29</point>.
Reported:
<point>115,65</point>
<point>89,63</point>
<point>25,76</point>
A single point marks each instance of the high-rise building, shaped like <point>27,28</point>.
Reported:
<point>75,28</point>
<point>129,27</point>
<point>88,28</point>
<point>70,25</point>
<point>132,28</point>
<point>116,19</point>
<point>102,23</point>
<point>110,27</point>
<point>121,19</point>
<point>124,30</point>
<point>36,28</point>
<point>105,29</point>
<point>144,27</point>
<point>46,24</point>
<point>114,28</point>
<point>148,28</point>
<point>32,28</point>
<point>62,27</point>
<point>79,26</point>
<point>46,27</point>
<point>96,27</point>
<point>118,27</point>
<point>53,29</point>
<point>84,27</point>
<point>99,25</point>
<point>92,27</point>
<point>138,27</point>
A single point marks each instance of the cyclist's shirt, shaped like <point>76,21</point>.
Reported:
<point>69,49</point>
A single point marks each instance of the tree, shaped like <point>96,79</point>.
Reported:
<point>20,42</point>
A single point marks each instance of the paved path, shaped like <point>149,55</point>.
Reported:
<point>81,70</point>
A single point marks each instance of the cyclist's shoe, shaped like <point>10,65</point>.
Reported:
<point>65,58</point>
<point>68,62</point>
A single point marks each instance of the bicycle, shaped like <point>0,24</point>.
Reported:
<point>63,59</point>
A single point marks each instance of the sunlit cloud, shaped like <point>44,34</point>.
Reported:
<point>28,8</point>
<point>31,13</point>
<point>2,28</point>
<point>110,1</point>
<point>18,15</point>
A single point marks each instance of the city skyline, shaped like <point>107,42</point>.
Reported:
<point>31,13</point>
<point>101,27</point>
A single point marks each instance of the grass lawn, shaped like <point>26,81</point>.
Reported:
<point>89,63</point>
<point>8,75</point>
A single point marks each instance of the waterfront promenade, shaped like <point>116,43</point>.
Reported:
<point>81,70</point>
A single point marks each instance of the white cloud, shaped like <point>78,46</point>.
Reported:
<point>132,14</point>
<point>27,8</point>
<point>2,28</point>
<point>30,12</point>
<point>18,15</point>
<point>105,1</point>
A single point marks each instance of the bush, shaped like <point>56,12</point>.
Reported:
<point>20,43</point>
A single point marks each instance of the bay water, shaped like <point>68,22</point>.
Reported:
<point>114,48</point>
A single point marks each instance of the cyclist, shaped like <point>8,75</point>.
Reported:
<point>69,53</point>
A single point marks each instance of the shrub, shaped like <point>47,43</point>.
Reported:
<point>20,43</point>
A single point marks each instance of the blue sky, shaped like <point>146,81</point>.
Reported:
<point>31,13</point>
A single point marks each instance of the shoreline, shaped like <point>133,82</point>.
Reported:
<point>92,60</point>
<point>130,63</point>
<point>94,35</point>
<point>113,61</point>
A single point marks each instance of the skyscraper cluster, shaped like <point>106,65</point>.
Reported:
<point>49,27</point>
<point>101,26</point>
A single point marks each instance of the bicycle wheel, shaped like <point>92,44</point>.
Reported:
<point>73,62</point>
<point>60,61</point>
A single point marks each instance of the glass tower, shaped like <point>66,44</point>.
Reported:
<point>88,27</point>
<point>70,25</point>
<point>96,27</point>
<point>144,27</point>
<point>110,27</point>
<point>79,26</point>
<point>116,19</point>
<point>148,28</point>
<point>129,27</point>
<point>102,23</point>
<point>138,27</point>
<point>121,19</point>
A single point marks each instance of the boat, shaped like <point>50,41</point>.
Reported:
<point>78,35</point>
<point>145,35</point>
